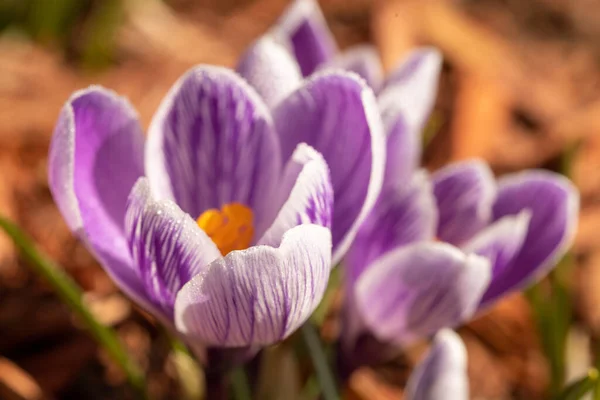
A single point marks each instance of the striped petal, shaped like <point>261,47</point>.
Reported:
<point>167,245</point>
<point>211,143</point>
<point>257,296</point>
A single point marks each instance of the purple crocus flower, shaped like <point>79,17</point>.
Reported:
<point>435,248</point>
<point>443,372</point>
<point>220,224</point>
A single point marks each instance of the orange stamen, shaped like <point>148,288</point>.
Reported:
<point>229,228</point>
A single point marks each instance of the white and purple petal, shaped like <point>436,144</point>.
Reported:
<point>501,241</point>
<point>96,155</point>
<point>362,60</point>
<point>418,289</point>
<point>304,196</point>
<point>402,215</point>
<point>443,372</point>
<point>405,102</point>
<point>270,68</point>
<point>257,296</point>
<point>553,202</point>
<point>411,89</point>
<point>403,152</point>
<point>167,246</point>
<point>311,41</point>
<point>465,192</point>
<point>336,114</point>
<point>211,143</point>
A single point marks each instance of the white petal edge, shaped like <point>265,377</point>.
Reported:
<point>442,372</point>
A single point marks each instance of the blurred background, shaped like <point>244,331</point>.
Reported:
<point>519,88</point>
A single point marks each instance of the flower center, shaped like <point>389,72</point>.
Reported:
<point>230,228</point>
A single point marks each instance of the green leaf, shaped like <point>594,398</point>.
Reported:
<point>551,303</point>
<point>71,294</point>
<point>320,361</point>
<point>580,388</point>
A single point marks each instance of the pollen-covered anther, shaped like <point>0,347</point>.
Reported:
<point>230,228</point>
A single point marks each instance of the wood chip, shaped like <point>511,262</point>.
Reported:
<point>16,384</point>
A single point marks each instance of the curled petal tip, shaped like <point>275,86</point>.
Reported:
<point>305,28</point>
<point>270,68</point>
<point>363,60</point>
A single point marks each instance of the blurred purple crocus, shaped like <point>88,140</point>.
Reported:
<point>436,248</point>
<point>405,96</point>
<point>219,225</point>
<point>443,372</point>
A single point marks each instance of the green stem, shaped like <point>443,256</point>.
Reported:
<point>580,388</point>
<point>310,390</point>
<point>239,384</point>
<point>71,294</point>
<point>319,360</point>
<point>335,279</point>
<point>596,393</point>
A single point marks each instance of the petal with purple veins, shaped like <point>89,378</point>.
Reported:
<point>166,244</point>
<point>305,196</point>
<point>465,192</point>
<point>211,143</point>
<point>553,203</point>
<point>442,372</point>
<point>336,114</point>
<point>270,68</point>
<point>96,155</point>
<point>418,289</point>
<point>304,26</point>
<point>257,296</point>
